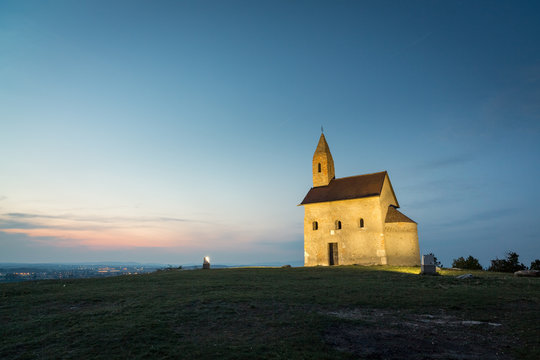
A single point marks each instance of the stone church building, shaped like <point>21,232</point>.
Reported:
<point>354,220</point>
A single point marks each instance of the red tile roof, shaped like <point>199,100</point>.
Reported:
<point>353,187</point>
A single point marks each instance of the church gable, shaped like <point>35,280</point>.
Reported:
<point>387,197</point>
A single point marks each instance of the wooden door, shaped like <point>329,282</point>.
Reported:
<point>333,258</point>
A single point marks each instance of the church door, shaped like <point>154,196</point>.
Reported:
<point>333,254</point>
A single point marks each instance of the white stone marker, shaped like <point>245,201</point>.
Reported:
<point>428,265</point>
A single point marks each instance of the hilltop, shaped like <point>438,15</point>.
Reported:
<point>273,313</point>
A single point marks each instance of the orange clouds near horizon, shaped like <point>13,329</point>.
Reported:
<point>103,239</point>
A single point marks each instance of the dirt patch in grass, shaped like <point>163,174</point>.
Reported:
<point>386,334</point>
<point>244,322</point>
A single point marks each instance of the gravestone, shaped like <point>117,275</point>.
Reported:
<point>428,265</point>
<point>206,263</point>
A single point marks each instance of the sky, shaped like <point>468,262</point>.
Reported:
<point>164,131</point>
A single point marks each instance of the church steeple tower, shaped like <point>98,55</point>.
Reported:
<point>323,164</point>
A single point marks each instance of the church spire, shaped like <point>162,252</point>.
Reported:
<point>323,164</point>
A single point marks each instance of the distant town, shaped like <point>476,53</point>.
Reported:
<point>13,272</point>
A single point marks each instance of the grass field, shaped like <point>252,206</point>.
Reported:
<point>345,312</point>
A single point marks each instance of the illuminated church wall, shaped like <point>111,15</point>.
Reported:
<point>355,220</point>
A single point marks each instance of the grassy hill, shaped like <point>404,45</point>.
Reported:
<point>341,312</point>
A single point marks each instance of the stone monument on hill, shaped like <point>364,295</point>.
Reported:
<point>355,220</point>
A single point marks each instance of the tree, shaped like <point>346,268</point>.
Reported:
<point>511,264</point>
<point>470,263</point>
<point>535,265</point>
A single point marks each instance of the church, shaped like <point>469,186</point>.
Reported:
<point>355,220</point>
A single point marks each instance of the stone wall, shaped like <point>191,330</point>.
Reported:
<point>376,243</point>
<point>356,245</point>
<point>402,244</point>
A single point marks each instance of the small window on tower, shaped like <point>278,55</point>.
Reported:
<point>338,225</point>
<point>319,167</point>
<point>361,222</point>
<point>315,225</point>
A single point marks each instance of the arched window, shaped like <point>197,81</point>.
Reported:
<point>319,167</point>
<point>361,222</point>
<point>315,225</point>
<point>338,225</point>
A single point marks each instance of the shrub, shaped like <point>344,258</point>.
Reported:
<point>437,262</point>
<point>535,265</point>
<point>510,264</point>
<point>470,263</point>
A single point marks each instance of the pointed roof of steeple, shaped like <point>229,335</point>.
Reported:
<point>322,146</point>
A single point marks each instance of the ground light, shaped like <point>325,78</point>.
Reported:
<point>206,262</point>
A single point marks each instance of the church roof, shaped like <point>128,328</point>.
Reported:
<point>322,146</point>
<point>353,187</point>
<point>394,215</point>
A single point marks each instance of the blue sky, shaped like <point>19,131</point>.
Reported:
<point>168,130</point>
